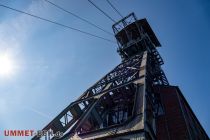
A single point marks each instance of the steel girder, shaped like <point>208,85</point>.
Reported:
<point>123,74</point>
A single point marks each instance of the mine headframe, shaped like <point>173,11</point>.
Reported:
<point>130,35</point>
<point>123,104</point>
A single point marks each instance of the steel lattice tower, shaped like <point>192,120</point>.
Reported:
<point>126,102</point>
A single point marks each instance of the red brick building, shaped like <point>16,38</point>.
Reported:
<point>178,121</point>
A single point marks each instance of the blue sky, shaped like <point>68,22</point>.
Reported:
<point>55,65</point>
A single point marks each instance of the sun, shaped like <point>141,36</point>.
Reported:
<point>6,65</point>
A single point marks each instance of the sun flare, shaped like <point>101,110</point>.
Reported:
<point>6,65</point>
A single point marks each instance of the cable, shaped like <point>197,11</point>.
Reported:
<point>102,11</point>
<point>114,8</point>
<point>90,23</point>
<point>57,23</point>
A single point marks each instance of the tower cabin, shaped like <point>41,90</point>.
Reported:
<point>129,33</point>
